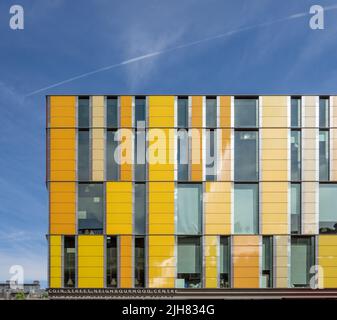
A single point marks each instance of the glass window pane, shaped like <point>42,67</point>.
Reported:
<point>140,150</point>
<point>295,200</point>
<point>323,112</point>
<point>111,254</point>
<point>295,155</point>
<point>210,155</point>
<point>69,261</point>
<point>245,112</point>
<point>90,208</point>
<point>140,208</point>
<point>225,262</point>
<point>302,258</point>
<point>323,155</point>
<point>189,208</point>
<point>139,262</point>
<point>267,262</point>
<point>327,208</point>
<point>182,112</point>
<point>140,114</point>
<point>246,209</point>
<point>83,156</point>
<point>112,112</point>
<point>246,156</point>
<point>83,112</point>
<point>211,112</point>
<point>112,160</point>
<point>295,112</point>
<point>182,157</point>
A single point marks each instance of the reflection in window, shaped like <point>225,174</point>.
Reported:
<point>112,172</point>
<point>83,155</point>
<point>90,208</point>
<point>83,112</point>
<point>327,208</point>
<point>295,155</point>
<point>182,112</point>
<point>246,156</point>
<point>245,112</point>
<point>140,113</point>
<point>182,155</point>
<point>324,112</point>
<point>189,209</point>
<point>210,155</point>
<point>323,155</point>
<point>211,112</point>
<point>69,261</point>
<point>295,200</point>
<point>302,258</point>
<point>111,261</point>
<point>140,208</point>
<point>225,262</point>
<point>112,112</point>
<point>295,112</point>
<point>267,262</point>
<point>140,151</point>
<point>245,208</point>
<point>139,262</point>
<point>189,262</point>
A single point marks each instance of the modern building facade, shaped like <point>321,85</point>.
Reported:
<point>192,191</point>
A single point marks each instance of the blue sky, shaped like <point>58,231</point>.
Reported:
<point>63,39</point>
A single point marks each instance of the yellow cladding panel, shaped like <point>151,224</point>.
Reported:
<point>162,261</point>
<point>62,207</point>
<point>161,204</point>
<point>161,111</point>
<point>211,259</point>
<point>274,111</point>
<point>281,249</point>
<point>97,154</point>
<point>55,261</point>
<point>327,260</point>
<point>196,117</point>
<point>274,207</point>
<point>224,156</point>
<point>225,111</point>
<point>217,204</point>
<point>90,261</point>
<point>196,154</point>
<point>62,111</point>
<point>119,207</point>
<point>126,153</point>
<point>125,260</point>
<point>125,111</point>
<point>98,112</point>
<point>246,261</point>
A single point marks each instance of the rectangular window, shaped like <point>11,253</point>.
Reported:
<point>189,209</point>
<point>211,112</point>
<point>111,262</point>
<point>295,112</point>
<point>324,112</point>
<point>210,155</point>
<point>245,113</point>
<point>140,208</point>
<point>182,155</point>
<point>139,262</point>
<point>295,155</point>
<point>246,208</point>
<point>225,262</point>
<point>83,155</point>
<point>327,208</point>
<point>140,112</point>
<point>112,112</point>
<point>90,208</point>
<point>182,112</point>
<point>302,258</point>
<point>112,166</point>
<point>295,200</point>
<point>267,262</point>
<point>323,155</point>
<point>246,156</point>
<point>189,263</point>
<point>140,155</point>
<point>69,252</point>
<point>83,112</point>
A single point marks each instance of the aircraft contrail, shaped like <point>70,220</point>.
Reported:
<point>189,44</point>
